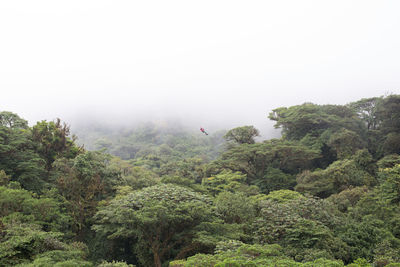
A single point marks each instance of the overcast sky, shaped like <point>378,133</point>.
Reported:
<point>208,62</point>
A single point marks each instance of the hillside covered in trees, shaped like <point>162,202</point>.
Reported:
<point>327,193</point>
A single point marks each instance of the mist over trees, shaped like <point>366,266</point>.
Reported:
<point>326,193</point>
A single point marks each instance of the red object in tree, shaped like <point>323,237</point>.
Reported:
<point>203,131</point>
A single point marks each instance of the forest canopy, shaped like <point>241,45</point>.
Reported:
<point>326,193</point>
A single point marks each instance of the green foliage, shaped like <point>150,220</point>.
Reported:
<point>300,225</point>
<point>244,255</point>
<point>324,262</point>
<point>241,135</point>
<point>381,116</point>
<point>83,182</point>
<point>69,256</point>
<point>153,145</point>
<point>226,181</point>
<point>185,182</point>
<point>388,161</point>
<point>43,211</point>
<point>336,131</point>
<point>386,252</point>
<point>345,143</point>
<point>309,240</point>
<point>28,245</point>
<point>52,141</point>
<point>340,175</point>
<point>4,178</point>
<point>390,186</point>
<point>159,218</point>
<point>364,160</point>
<point>391,144</point>
<point>348,198</point>
<point>235,208</point>
<point>114,264</point>
<point>228,246</point>
<point>283,196</point>
<point>19,159</point>
<point>388,114</point>
<point>21,242</point>
<point>172,195</point>
<point>366,110</point>
<point>12,121</point>
<point>133,176</point>
<point>190,168</point>
<point>375,204</point>
<point>275,179</point>
<point>250,256</point>
<point>360,262</point>
<point>364,237</point>
<point>267,164</point>
<point>298,121</point>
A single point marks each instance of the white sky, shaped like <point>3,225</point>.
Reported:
<point>208,62</point>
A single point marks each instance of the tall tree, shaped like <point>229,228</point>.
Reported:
<point>52,140</point>
<point>18,157</point>
<point>242,135</point>
<point>167,220</point>
<point>388,113</point>
<point>83,182</point>
<point>366,109</point>
<point>12,120</point>
<point>340,175</point>
<point>298,121</point>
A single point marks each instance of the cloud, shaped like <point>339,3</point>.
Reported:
<point>217,62</point>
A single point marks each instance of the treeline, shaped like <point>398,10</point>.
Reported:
<point>327,193</point>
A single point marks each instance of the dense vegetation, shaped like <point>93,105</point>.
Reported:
<point>327,193</point>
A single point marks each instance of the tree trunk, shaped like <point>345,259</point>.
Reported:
<point>157,260</point>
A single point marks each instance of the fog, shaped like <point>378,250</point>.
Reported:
<point>215,64</point>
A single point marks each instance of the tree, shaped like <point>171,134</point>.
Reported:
<point>345,143</point>
<point>362,238</point>
<point>391,144</point>
<point>32,230</point>
<point>234,208</point>
<point>276,218</point>
<point>4,178</point>
<point>388,161</point>
<point>19,160</point>
<point>289,156</point>
<point>366,110</point>
<point>51,140</point>
<point>242,135</point>
<point>236,254</point>
<point>388,114</point>
<point>340,175</point>
<point>386,139</point>
<point>390,185</point>
<point>83,182</point>
<point>323,128</point>
<point>298,121</point>
<point>133,176</point>
<point>28,245</point>
<point>226,181</point>
<point>260,159</point>
<point>348,198</point>
<point>304,226</point>
<point>283,196</point>
<point>191,168</point>
<point>309,240</point>
<point>12,120</point>
<point>166,220</point>
<point>275,179</point>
